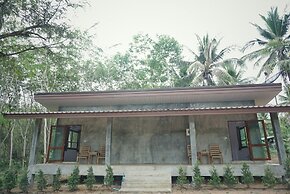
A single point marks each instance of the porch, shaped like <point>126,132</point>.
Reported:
<point>157,138</point>
<point>257,168</point>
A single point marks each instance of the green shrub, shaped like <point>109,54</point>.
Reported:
<point>23,181</point>
<point>269,179</point>
<point>215,180</point>
<point>40,181</point>
<point>9,180</point>
<point>56,180</point>
<point>74,180</point>
<point>181,179</point>
<point>229,179</point>
<point>109,178</point>
<point>197,178</point>
<point>247,176</point>
<point>90,180</point>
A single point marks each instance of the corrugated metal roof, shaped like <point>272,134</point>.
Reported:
<point>151,112</point>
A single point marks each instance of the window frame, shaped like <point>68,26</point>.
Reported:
<point>65,130</point>
<point>243,141</point>
<point>70,140</point>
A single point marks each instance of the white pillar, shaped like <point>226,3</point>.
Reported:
<point>108,141</point>
<point>192,133</point>
<point>34,147</point>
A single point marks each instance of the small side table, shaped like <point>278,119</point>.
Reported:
<point>92,154</point>
<point>201,154</point>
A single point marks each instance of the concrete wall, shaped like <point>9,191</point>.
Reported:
<point>160,106</point>
<point>149,140</point>
<point>156,140</point>
<point>213,129</point>
<point>93,130</point>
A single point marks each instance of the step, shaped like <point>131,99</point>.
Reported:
<point>149,186</point>
<point>147,172</point>
<point>147,179</point>
<point>141,189</point>
<point>151,177</point>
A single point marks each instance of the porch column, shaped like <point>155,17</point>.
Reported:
<point>34,147</point>
<point>108,141</point>
<point>278,137</point>
<point>192,133</point>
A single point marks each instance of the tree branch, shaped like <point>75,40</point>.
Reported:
<point>22,32</point>
<point>21,51</point>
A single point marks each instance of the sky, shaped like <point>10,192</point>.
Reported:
<point>119,20</point>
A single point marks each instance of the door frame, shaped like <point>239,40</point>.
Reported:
<point>65,130</point>
<point>252,145</point>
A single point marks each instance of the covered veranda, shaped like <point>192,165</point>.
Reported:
<point>256,166</point>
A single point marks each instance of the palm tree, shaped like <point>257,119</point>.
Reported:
<point>275,46</point>
<point>230,74</point>
<point>285,99</point>
<point>209,67</point>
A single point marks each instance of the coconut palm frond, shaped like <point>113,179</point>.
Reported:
<point>284,65</point>
<point>252,43</point>
<point>221,54</point>
<point>267,35</point>
<point>198,81</point>
<point>195,66</point>
<point>273,78</point>
<point>266,69</point>
<point>254,55</point>
<point>224,77</point>
<point>285,24</point>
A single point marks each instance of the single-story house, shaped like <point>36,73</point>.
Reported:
<point>159,129</point>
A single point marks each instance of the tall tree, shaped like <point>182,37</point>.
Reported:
<point>39,51</point>
<point>148,63</point>
<point>209,61</point>
<point>27,25</point>
<point>275,46</point>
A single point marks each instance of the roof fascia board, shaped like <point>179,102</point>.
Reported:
<point>152,93</point>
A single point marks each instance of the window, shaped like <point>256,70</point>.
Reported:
<point>242,137</point>
<point>62,139</point>
<point>73,137</point>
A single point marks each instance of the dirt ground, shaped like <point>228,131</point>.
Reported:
<point>239,189</point>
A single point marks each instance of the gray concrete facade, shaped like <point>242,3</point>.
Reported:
<point>159,106</point>
<point>149,140</point>
<point>156,140</point>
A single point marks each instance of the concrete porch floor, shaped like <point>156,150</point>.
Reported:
<point>257,168</point>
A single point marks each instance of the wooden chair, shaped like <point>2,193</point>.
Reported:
<point>84,153</point>
<point>189,154</point>
<point>215,153</point>
<point>101,153</point>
